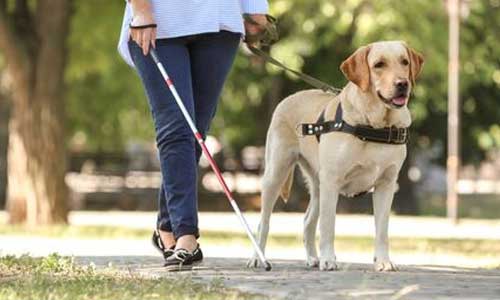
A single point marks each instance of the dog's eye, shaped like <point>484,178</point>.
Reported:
<point>379,65</point>
<point>405,62</point>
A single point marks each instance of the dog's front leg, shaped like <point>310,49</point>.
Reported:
<point>328,207</point>
<point>382,201</point>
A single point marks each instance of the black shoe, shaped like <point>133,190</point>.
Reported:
<point>158,244</point>
<point>183,260</point>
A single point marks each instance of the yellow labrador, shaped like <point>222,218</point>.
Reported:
<point>381,76</point>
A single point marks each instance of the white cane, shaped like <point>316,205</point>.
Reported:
<point>207,154</point>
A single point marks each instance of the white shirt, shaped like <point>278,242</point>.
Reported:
<point>176,18</point>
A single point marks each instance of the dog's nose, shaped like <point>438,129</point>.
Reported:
<point>402,85</point>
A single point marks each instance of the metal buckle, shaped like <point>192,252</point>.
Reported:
<point>404,134</point>
<point>401,136</point>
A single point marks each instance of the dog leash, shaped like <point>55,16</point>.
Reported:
<point>268,36</point>
<point>306,78</point>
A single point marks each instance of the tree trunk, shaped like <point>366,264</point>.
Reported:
<point>4,120</point>
<point>36,190</point>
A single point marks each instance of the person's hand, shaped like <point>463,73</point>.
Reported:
<point>143,15</point>
<point>252,29</point>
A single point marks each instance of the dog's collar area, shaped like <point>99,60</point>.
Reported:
<point>388,135</point>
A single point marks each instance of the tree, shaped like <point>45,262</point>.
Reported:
<point>33,43</point>
<point>4,119</point>
<point>105,101</point>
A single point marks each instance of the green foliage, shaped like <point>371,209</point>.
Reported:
<point>480,78</point>
<point>107,105</point>
<point>318,35</point>
<point>106,102</point>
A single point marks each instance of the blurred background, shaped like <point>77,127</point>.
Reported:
<point>76,131</point>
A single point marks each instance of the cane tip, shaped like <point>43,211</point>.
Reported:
<point>268,266</point>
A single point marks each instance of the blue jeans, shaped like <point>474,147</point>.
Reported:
<point>198,66</point>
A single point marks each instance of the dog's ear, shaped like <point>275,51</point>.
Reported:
<point>416,63</point>
<point>356,69</point>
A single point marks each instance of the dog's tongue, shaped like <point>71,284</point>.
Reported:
<point>399,100</point>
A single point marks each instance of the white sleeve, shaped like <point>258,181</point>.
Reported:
<point>254,6</point>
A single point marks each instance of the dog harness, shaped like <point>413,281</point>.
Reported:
<point>388,135</point>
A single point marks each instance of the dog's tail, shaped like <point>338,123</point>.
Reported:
<point>287,186</point>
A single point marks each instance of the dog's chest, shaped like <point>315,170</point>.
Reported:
<point>361,171</point>
<point>359,178</point>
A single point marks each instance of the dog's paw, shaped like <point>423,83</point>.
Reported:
<point>312,262</point>
<point>254,262</point>
<point>327,264</point>
<point>385,266</point>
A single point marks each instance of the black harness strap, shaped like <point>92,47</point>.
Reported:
<point>388,135</point>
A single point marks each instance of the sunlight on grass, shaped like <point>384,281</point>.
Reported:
<point>56,277</point>
<point>465,247</point>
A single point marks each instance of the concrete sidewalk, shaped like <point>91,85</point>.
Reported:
<point>290,279</point>
<point>290,224</point>
<point>423,275</point>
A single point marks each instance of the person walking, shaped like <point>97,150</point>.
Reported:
<point>197,41</point>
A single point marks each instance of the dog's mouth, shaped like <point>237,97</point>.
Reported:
<point>397,102</point>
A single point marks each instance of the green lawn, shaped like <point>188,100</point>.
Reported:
<point>59,278</point>
<point>464,247</point>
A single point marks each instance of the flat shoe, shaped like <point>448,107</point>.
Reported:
<point>158,244</point>
<point>183,260</point>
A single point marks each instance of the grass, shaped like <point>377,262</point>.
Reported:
<point>59,278</point>
<point>467,247</point>
<point>464,247</point>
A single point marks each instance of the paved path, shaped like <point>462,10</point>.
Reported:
<point>426,279</point>
<point>289,279</point>
<point>42,246</point>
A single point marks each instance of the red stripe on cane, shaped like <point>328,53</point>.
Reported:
<point>215,168</point>
<point>198,136</point>
<point>169,82</point>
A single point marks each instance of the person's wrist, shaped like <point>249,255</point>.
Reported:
<point>142,19</point>
<point>257,23</point>
<point>142,12</point>
<point>259,18</point>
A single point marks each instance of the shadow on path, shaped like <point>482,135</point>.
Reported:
<point>290,279</point>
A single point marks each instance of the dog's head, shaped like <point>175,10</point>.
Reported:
<point>388,70</point>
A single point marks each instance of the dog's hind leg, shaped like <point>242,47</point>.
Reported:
<point>279,165</point>
<point>311,216</point>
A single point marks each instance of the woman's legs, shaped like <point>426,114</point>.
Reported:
<point>163,220</point>
<point>211,55</point>
<point>175,142</point>
<point>198,66</point>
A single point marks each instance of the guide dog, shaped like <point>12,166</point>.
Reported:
<point>381,76</point>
